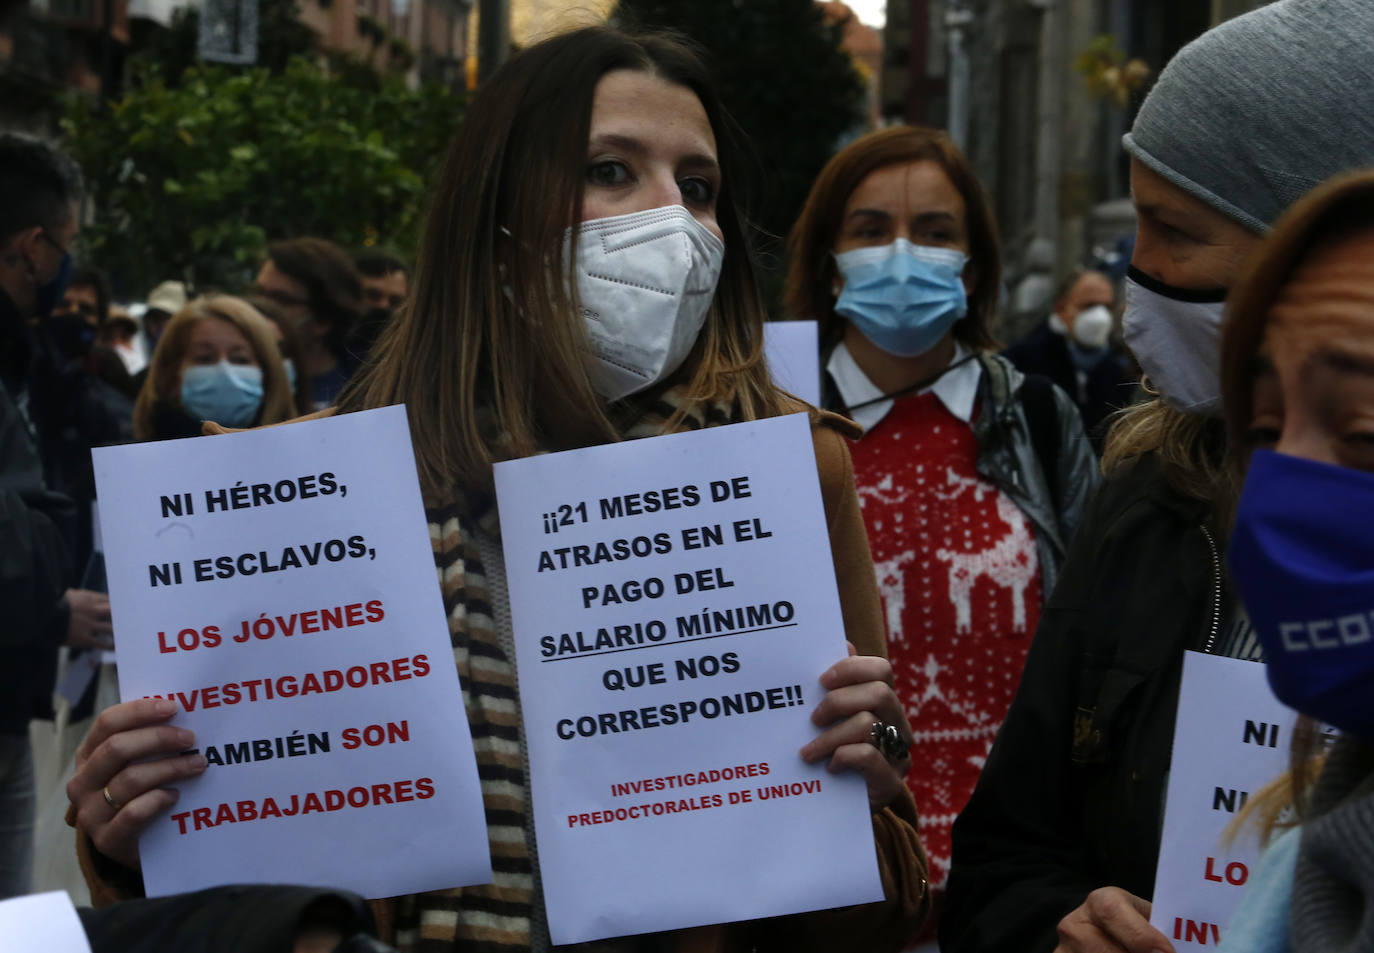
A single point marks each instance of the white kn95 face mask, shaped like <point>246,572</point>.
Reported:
<point>645,282</point>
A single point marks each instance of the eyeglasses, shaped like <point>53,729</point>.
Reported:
<point>281,297</point>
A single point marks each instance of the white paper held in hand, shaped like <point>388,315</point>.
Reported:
<point>279,585</point>
<point>674,605</point>
<point>42,923</point>
<point>1231,737</point>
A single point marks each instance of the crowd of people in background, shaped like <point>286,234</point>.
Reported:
<point>1050,524</point>
<point>81,371</point>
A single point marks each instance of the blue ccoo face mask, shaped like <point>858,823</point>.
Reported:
<point>1302,557</point>
<point>902,297</point>
<point>228,394</point>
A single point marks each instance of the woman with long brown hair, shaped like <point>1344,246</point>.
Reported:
<point>529,329</point>
<point>972,476</point>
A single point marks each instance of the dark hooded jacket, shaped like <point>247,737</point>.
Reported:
<point>1072,796</point>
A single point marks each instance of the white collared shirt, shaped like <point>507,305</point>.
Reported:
<point>957,390</point>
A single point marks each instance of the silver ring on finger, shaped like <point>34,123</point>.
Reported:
<point>109,799</point>
<point>887,739</point>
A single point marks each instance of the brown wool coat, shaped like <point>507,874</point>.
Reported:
<point>885,926</point>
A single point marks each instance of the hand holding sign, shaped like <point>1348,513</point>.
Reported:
<point>858,693</point>
<point>89,623</point>
<point>1111,921</point>
<point>133,754</point>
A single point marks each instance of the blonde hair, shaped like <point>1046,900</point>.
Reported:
<point>1191,450</point>
<point>1282,803</point>
<point>489,354</point>
<point>164,370</point>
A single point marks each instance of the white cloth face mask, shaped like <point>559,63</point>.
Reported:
<point>1175,334</point>
<point>1093,327</point>
<point>645,282</point>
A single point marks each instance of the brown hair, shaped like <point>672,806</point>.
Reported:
<point>489,351</point>
<point>331,280</point>
<point>290,346</point>
<point>163,382</point>
<point>1071,280</point>
<point>1328,213</point>
<point>811,273</point>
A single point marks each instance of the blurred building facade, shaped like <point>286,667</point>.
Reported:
<point>1000,75</point>
<point>50,47</point>
<point>864,44</point>
<point>56,45</point>
<point>533,20</point>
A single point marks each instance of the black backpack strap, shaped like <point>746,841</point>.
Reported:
<point>1042,417</point>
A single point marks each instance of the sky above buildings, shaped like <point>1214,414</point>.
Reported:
<point>872,12</point>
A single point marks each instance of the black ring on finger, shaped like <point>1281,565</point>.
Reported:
<point>888,739</point>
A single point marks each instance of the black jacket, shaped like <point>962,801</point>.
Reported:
<point>1072,795</point>
<point>239,919</point>
<point>171,422</point>
<point>34,562</point>
<point>1098,393</point>
<point>74,409</point>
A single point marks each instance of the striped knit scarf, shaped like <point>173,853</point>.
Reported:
<point>495,918</point>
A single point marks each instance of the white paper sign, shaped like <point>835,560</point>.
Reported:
<point>1231,738</point>
<point>674,604</point>
<point>42,923</point>
<point>280,586</point>
<point>81,671</point>
<point>794,358</point>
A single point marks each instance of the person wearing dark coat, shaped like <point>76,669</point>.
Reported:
<point>1071,796</point>
<point>237,919</point>
<point>38,191</point>
<point>1073,348</point>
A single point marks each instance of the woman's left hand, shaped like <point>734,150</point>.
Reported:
<point>858,693</point>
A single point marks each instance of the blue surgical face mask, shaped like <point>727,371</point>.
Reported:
<point>289,366</point>
<point>1302,558</point>
<point>902,297</point>
<point>228,394</point>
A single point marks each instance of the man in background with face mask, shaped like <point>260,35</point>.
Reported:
<point>316,286</point>
<point>1073,348</point>
<point>39,191</point>
<point>77,328</point>
<point>84,395</point>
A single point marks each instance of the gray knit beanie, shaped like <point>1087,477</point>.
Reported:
<point>1256,112</point>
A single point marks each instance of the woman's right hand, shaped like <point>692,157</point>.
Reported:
<point>1111,921</point>
<point>115,758</point>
